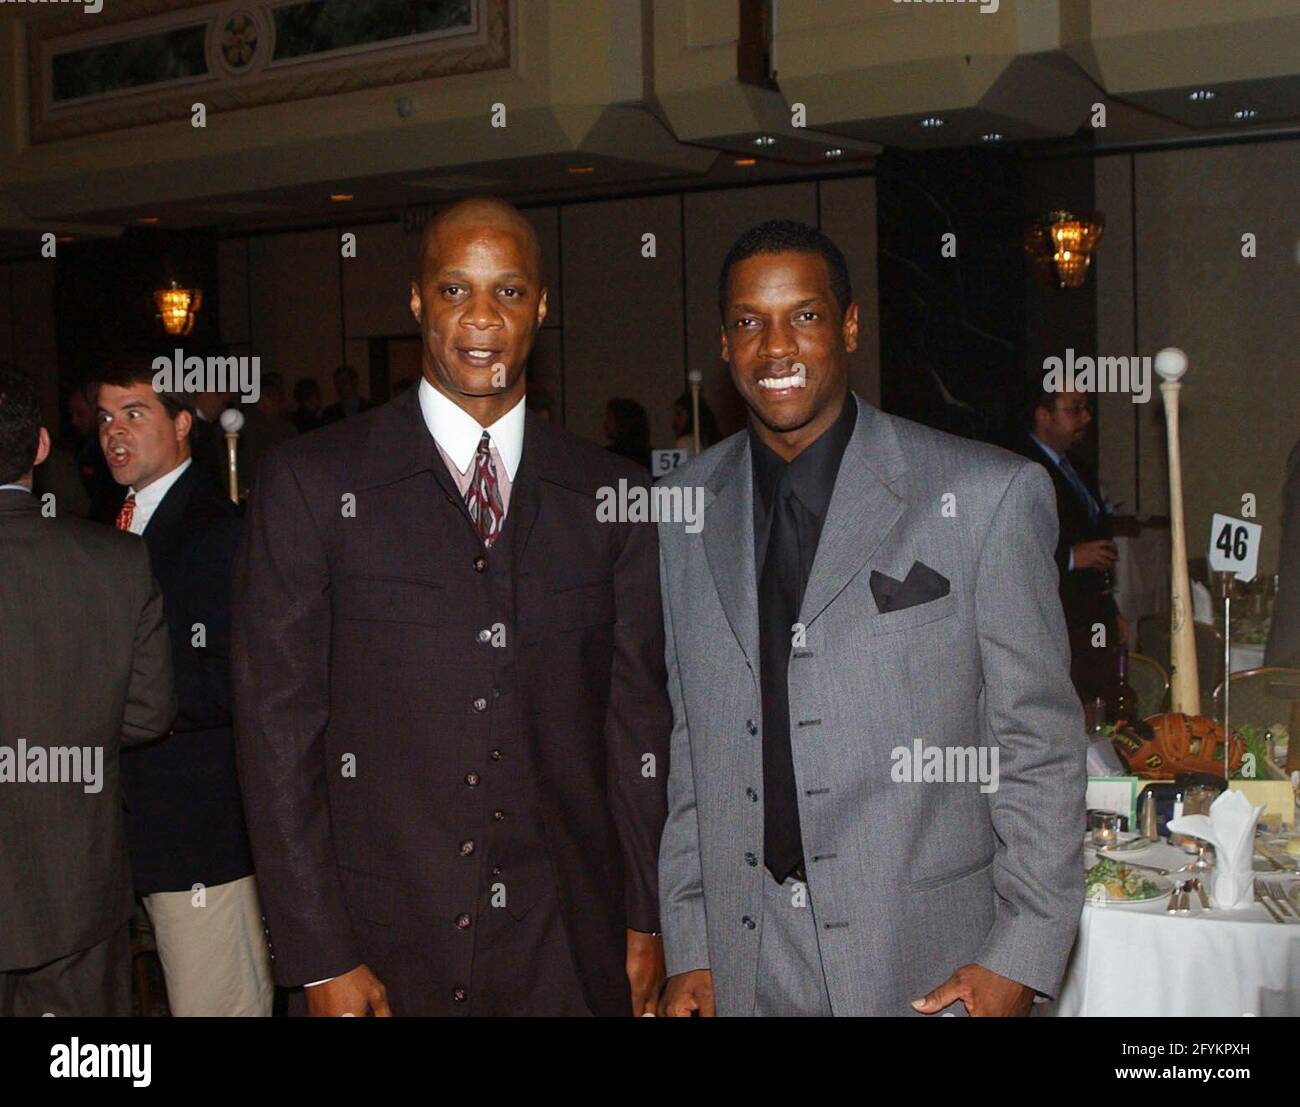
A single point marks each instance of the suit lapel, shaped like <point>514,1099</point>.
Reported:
<point>865,505</point>
<point>729,543</point>
<point>164,530</point>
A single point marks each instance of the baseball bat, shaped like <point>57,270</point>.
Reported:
<point>232,422</point>
<point>1184,680</point>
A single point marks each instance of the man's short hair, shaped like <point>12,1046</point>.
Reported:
<point>125,372</point>
<point>20,424</point>
<point>781,236</point>
<point>273,385</point>
<point>1035,396</point>
<point>304,388</point>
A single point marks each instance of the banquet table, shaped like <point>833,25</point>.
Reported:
<point>1139,960</point>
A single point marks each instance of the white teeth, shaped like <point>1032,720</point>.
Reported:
<point>795,381</point>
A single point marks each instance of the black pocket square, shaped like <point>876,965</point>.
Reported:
<point>922,585</point>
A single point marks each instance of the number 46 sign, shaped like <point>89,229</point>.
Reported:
<point>1234,546</point>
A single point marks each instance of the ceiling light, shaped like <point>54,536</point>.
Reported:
<point>341,197</point>
<point>1062,243</point>
<point>746,161</point>
<point>931,122</point>
<point>1201,95</point>
<point>764,140</point>
<point>1243,114</point>
<point>582,169</point>
<point>147,219</point>
<point>835,152</point>
<point>992,136</point>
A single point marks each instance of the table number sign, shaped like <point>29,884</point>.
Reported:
<point>663,462</point>
<point>1234,546</point>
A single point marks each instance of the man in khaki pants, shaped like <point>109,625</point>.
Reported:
<point>185,824</point>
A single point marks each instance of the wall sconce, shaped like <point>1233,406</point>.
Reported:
<point>177,307</point>
<point>1061,245</point>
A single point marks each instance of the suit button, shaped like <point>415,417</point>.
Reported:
<point>480,704</point>
<point>480,564</point>
<point>751,860</point>
<point>495,755</point>
<point>751,726</point>
<point>459,995</point>
<point>499,816</point>
<point>749,923</point>
<point>466,847</point>
<point>753,796</point>
<point>462,922</point>
<point>485,635</point>
<point>471,779</point>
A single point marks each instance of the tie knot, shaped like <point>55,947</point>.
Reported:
<point>485,444</point>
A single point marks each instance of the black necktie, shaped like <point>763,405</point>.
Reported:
<point>779,593</point>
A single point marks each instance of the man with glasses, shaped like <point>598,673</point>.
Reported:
<point>1085,550</point>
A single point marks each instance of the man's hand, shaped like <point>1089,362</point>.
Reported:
<point>688,993</point>
<point>984,992</point>
<point>354,993</point>
<point>645,971</point>
<point>1100,553</point>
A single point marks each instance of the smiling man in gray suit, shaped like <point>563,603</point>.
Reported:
<point>877,780</point>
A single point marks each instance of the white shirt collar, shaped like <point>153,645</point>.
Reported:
<point>458,432</point>
<point>14,488</point>
<point>149,497</point>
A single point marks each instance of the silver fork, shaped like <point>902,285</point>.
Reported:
<point>1259,898</point>
<point>1278,894</point>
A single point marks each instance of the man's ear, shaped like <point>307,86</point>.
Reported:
<point>184,423</point>
<point>417,306</point>
<point>726,349</point>
<point>850,328</point>
<point>541,308</point>
<point>42,447</point>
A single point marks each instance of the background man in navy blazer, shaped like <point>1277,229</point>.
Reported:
<point>185,822</point>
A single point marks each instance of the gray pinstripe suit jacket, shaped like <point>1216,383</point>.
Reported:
<point>907,880</point>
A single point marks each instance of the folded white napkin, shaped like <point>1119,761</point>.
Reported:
<point>1230,829</point>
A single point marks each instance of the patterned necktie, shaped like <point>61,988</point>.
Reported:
<point>126,513</point>
<point>483,497</point>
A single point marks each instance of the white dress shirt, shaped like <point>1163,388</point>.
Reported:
<point>149,497</point>
<point>457,434</point>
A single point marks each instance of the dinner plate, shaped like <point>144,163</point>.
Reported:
<point>1130,845</point>
<point>1162,884</point>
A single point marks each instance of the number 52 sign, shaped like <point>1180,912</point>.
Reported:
<point>1234,546</point>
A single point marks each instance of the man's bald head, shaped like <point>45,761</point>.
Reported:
<point>478,212</point>
<point>479,299</point>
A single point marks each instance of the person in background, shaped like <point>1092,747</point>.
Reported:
<point>627,430</point>
<point>350,401</point>
<point>1284,631</point>
<point>84,442</point>
<point>306,396</point>
<point>72,684</point>
<point>684,424</point>
<point>1056,423</point>
<point>265,424</point>
<point>185,823</point>
<point>58,481</point>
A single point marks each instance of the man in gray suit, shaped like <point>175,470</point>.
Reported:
<point>85,666</point>
<point>876,791</point>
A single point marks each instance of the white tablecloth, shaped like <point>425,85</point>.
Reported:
<point>1140,578</point>
<point>1246,657</point>
<point>1141,961</point>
